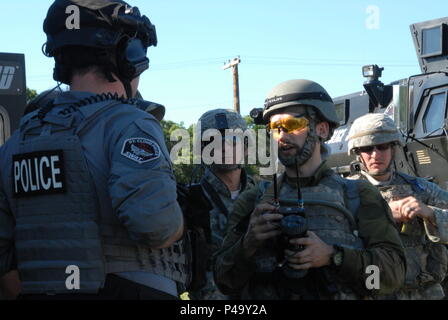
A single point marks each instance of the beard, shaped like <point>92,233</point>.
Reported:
<point>288,160</point>
<point>301,154</point>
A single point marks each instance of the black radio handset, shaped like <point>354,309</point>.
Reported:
<point>294,225</point>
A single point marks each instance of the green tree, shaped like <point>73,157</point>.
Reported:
<point>184,172</point>
<point>254,169</point>
<point>30,94</point>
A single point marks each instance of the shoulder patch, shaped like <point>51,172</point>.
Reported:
<point>140,150</point>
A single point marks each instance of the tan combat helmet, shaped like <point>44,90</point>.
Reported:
<point>373,129</point>
<point>222,119</point>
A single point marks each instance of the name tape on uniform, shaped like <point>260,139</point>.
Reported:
<point>140,150</point>
<point>38,173</point>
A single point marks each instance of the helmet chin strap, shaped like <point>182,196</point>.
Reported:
<point>127,88</point>
<point>110,70</point>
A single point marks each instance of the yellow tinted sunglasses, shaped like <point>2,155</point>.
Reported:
<point>289,124</point>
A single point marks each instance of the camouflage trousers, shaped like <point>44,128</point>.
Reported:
<point>431,292</point>
<point>445,287</point>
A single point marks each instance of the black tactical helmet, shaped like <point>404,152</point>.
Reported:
<point>118,32</point>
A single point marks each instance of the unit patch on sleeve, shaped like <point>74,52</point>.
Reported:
<point>38,173</point>
<point>140,150</point>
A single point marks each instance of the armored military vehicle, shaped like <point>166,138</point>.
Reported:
<point>12,92</point>
<point>418,105</point>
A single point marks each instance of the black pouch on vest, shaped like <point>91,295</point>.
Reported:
<point>198,263</point>
<point>196,209</point>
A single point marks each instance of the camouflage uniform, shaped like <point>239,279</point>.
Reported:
<point>220,198</point>
<point>381,246</point>
<point>350,216</point>
<point>218,223</point>
<point>426,260</point>
<point>426,256</point>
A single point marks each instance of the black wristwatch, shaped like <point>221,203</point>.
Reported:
<point>337,256</point>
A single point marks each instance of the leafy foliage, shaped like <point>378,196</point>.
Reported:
<point>184,171</point>
<point>30,94</point>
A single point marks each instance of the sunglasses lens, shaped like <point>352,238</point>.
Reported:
<point>274,125</point>
<point>383,147</point>
<point>289,124</point>
<point>293,124</point>
<point>366,149</point>
<point>380,147</point>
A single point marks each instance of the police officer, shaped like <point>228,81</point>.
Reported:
<point>349,225</point>
<point>416,205</point>
<point>88,197</point>
<point>222,182</point>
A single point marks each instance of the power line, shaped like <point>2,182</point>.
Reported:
<point>261,60</point>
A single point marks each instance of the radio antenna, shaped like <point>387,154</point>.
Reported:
<point>274,179</point>
<point>299,192</point>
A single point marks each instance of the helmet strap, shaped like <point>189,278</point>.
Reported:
<point>127,88</point>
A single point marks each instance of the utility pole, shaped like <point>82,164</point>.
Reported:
<point>236,89</point>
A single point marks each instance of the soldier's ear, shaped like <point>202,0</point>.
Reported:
<point>323,129</point>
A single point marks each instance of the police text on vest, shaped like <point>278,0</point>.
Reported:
<point>38,173</point>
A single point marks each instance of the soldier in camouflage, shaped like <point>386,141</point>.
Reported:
<point>222,183</point>
<point>347,230</point>
<point>418,206</point>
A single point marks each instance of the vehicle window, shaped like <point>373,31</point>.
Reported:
<point>340,112</point>
<point>432,41</point>
<point>4,125</point>
<point>435,113</point>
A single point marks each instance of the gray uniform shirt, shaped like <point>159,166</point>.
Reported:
<point>134,188</point>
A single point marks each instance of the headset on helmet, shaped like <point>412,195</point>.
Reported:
<point>118,32</point>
